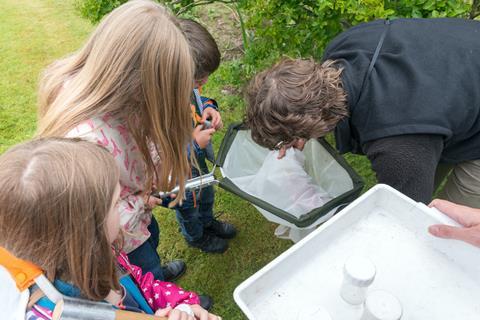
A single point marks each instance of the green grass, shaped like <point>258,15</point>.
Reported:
<point>35,32</point>
<point>32,34</point>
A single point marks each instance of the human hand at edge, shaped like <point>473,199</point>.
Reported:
<point>468,217</point>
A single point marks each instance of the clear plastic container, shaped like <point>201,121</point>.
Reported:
<point>359,273</point>
<point>381,305</point>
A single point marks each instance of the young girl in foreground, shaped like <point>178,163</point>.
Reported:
<point>59,210</point>
<point>128,89</point>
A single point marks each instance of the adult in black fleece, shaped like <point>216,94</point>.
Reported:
<point>406,93</point>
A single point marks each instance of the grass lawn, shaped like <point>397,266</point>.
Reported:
<point>35,32</point>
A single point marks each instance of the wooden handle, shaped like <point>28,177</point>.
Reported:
<point>128,315</point>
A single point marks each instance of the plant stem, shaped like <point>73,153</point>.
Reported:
<point>242,26</point>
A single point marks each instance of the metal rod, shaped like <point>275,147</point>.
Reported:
<point>80,309</point>
<point>191,184</point>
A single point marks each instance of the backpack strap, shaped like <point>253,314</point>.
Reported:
<point>374,58</point>
<point>130,285</point>
<point>23,272</point>
<point>26,274</point>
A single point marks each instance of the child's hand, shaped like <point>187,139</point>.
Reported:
<point>202,137</point>
<point>214,115</point>
<point>151,201</point>
<point>173,314</point>
<point>202,314</point>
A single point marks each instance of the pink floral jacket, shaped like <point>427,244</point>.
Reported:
<point>159,294</point>
<point>112,134</point>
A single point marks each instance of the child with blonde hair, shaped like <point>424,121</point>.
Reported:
<point>59,211</point>
<point>128,89</point>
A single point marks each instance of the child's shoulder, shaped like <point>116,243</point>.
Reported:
<point>102,130</point>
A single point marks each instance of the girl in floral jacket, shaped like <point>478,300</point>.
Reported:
<point>128,89</point>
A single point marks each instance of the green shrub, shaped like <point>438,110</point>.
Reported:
<point>430,8</point>
<point>94,10</point>
<point>302,28</point>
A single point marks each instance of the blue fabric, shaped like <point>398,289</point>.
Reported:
<point>134,292</point>
<point>44,302</point>
<point>193,219</point>
<point>64,288</point>
<point>146,256</point>
<point>196,149</point>
<point>201,103</point>
<point>209,153</point>
<point>198,101</point>
<point>209,103</point>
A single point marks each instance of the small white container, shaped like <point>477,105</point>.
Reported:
<point>381,305</point>
<point>358,274</point>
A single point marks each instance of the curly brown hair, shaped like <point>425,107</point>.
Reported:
<point>295,99</point>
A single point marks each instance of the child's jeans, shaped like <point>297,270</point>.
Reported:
<point>146,256</point>
<point>193,219</point>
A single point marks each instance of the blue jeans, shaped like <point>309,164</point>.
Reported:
<point>146,256</point>
<point>193,219</point>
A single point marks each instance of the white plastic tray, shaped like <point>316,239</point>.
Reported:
<point>434,279</point>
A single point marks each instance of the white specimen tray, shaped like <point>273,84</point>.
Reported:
<point>434,279</point>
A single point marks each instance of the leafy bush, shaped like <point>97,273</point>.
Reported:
<point>300,28</point>
<point>431,8</point>
<point>94,10</point>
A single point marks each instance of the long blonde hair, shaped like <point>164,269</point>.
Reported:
<point>54,209</point>
<point>137,67</point>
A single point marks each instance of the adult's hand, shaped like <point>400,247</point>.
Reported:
<point>297,144</point>
<point>468,217</point>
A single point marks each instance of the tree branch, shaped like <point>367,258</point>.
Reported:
<point>475,11</point>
